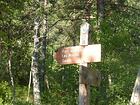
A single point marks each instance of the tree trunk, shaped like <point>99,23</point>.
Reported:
<point>29,86</point>
<point>43,56</point>
<point>9,51</point>
<point>135,98</point>
<point>100,11</point>
<point>35,66</point>
<point>11,75</point>
<point>104,84</point>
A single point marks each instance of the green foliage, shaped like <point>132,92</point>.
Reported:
<point>5,93</point>
<point>63,84</point>
<point>1,101</point>
<point>119,34</point>
<point>22,102</point>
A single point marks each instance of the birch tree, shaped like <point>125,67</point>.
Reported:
<point>9,51</point>
<point>35,66</point>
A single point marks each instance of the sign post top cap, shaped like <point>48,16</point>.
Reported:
<point>83,20</point>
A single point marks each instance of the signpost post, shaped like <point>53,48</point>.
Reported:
<point>84,90</point>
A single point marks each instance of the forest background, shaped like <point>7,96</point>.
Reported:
<point>115,24</point>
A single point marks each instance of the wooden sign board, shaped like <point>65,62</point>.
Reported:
<point>92,53</point>
<point>68,55</point>
<point>78,54</point>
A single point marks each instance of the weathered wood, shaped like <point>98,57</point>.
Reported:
<point>84,89</point>
<point>84,94</point>
<point>78,54</point>
<point>91,77</point>
<point>84,33</point>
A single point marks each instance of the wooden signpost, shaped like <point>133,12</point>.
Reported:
<point>82,55</point>
<point>84,88</point>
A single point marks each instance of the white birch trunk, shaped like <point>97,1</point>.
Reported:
<point>135,98</point>
<point>11,78</point>
<point>9,51</point>
<point>29,86</point>
<point>35,67</point>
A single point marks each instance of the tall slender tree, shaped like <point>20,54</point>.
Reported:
<point>43,51</point>
<point>35,66</point>
<point>100,19</point>
<point>9,51</point>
